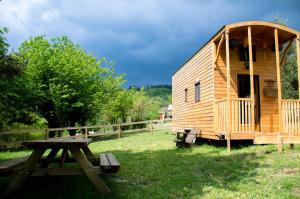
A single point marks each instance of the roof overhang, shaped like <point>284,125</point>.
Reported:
<point>260,29</point>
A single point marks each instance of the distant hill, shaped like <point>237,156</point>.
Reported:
<point>162,92</point>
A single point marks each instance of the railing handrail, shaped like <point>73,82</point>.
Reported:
<point>220,100</point>
<point>241,99</point>
<point>290,100</point>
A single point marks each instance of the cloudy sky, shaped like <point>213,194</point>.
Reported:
<point>149,39</point>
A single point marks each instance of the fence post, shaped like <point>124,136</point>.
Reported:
<point>119,131</point>
<point>86,133</point>
<point>151,127</point>
<point>47,132</point>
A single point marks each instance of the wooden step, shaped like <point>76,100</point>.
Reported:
<point>273,139</point>
<point>191,136</point>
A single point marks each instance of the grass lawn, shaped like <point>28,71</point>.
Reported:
<point>152,167</point>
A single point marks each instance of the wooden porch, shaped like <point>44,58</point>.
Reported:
<point>241,120</point>
<point>235,117</point>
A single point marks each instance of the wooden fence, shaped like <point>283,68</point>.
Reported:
<point>92,131</point>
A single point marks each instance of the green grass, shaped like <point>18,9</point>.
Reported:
<point>152,167</point>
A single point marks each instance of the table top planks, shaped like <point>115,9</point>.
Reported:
<point>49,143</point>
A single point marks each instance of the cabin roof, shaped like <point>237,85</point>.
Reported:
<point>238,27</point>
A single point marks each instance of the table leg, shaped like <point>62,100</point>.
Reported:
<point>63,157</point>
<point>89,170</point>
<point>21,172</point>
<point>88,153</point>
<point>49,157</point>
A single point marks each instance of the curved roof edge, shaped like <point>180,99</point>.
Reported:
<point>262,23</point>
<point>241,24</point>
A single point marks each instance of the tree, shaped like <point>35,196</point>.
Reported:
<point>3,42</point>
<point>289,69</point>
<point>13,94</point>
<point>119,108</point>
<point>144,107</point>
<point>66,85</point>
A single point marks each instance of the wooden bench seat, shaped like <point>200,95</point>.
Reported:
<point>109,163</point>
<point>7,166</point>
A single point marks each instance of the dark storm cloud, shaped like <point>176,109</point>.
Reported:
<point>148,39</point>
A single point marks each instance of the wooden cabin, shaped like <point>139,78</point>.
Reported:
<point>230,89</point>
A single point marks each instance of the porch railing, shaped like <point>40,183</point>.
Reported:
<point>290,116</point>
<point>221,115</point>
<point>240,115</point>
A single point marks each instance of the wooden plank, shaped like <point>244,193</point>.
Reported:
<point>278,77</point>
<point>114,163</point>
<point>298,59</point>
<point>63,157</point>
<point>10,164</point>
<point>228,79</point>
<point>89,171</point>
<point>59,143</point>
<point>22,171</point>
<point>49,157</point>
<point>104,162</point>
<point>251,77</point>
<point>274,139</point>
<point>218,49</point>
<point>191,136</point>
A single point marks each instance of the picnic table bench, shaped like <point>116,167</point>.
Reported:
<point>35,165</point>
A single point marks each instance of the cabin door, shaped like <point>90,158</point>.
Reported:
<point>245,92</point>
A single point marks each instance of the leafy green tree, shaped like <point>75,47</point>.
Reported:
<point>66,85</point>
<point>3,42</point>
<point>144,107</point>
<point>289,69</point>
<point>119,108</point>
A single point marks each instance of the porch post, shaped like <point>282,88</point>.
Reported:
<point>228,132</point>
<point>278,78</point>
<point>251,77</point>
<point>298,60</point>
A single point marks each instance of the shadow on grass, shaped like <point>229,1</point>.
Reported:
<point>235,144</point>
<point>173,173</point>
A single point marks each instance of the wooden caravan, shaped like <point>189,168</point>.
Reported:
<point>231,87</point>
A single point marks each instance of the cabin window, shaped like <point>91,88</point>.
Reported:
<point>244,53</point>
<point>185,95</point>
<point>197,92</point>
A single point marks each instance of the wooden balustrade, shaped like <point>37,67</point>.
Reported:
<point>221,115</point>
<point>290,116</point>
<point>240,115</point>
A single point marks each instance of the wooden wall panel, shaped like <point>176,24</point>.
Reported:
<point>193,114</point>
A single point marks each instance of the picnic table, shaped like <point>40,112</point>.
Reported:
<point>36,165</point>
